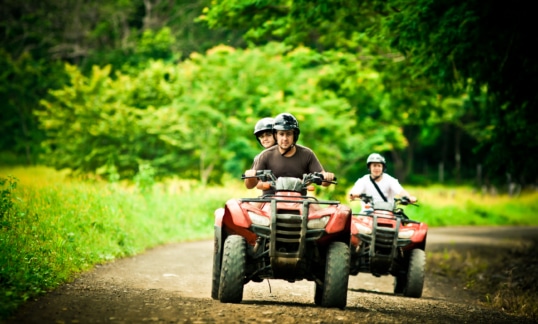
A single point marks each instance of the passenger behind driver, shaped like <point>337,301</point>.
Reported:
<point>263,131</point>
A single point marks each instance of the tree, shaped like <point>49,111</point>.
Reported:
<point>481,45</point>
<point>190,119</point>
<point>37,37</point>
<point>460,46</point>
<point>23,82</point>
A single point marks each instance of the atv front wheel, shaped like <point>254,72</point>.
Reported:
<point>215,279</point>
<point>399,283</point>
<point>334,290</point>
<point>415,274</point>
<point>318,294</point>
<point>232,272</point>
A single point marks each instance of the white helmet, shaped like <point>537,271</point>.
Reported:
<point>376,158</point>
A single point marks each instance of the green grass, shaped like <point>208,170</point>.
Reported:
<point>441,206</point>
<point>53,227</point>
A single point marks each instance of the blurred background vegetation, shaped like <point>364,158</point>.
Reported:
<point>444,89</point>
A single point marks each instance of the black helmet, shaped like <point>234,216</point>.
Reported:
<point>286,121</point>
<point>263,125</point>
<point>376,158</point>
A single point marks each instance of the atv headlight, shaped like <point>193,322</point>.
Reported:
<point>258,219</point>
<point>406,234</point>
<point>363,229</point>
<point>318,222</point>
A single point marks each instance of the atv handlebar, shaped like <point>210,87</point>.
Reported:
<point>397,201</point>
<point>405,201</point>
<point>308,178</point>
<point>267,175</point>
<point>263,175</point>
<point>317,178</point>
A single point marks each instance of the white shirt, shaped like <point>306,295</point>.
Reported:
<point>389,186</point>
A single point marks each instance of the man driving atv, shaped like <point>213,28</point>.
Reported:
<point>378,184</point>
<point>286,159</point>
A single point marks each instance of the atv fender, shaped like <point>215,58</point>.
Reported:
<point>236,221</point>
<point>219,214</point>
<point>341,220</point>
<point>420,234</point>
<point>233,214</point>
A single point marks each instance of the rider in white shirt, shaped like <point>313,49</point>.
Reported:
<point>389,187</point>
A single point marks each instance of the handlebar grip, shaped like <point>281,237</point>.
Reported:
<point>320,174</point>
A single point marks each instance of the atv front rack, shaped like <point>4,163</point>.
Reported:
<point>288,232</point>
<point>384,244</point>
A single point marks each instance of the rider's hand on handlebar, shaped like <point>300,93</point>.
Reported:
<point>250,179</point>
<point>328,176</point>
<point>250,173</point>
<point>412,199</point>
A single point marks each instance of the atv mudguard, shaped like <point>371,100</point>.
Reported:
<point>219,214</point>
<point>420,234</point>
<point>226,225</point>
<point>340,222</point>
<point>236,221</point>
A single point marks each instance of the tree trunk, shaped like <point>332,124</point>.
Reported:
<point>444,149</point>
<point>399,172</point>
<point>457,154</point>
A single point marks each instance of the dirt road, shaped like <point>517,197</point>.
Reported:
<point>172,283</point>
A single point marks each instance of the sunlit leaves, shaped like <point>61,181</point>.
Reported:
<point>450,47</point>
<point>188,118</point>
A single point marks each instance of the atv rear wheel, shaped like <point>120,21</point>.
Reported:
<point>334,289</point>
<point>215,280</point>
<point>415,274</point>
<point>232,273</point>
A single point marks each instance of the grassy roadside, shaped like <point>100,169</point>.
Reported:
<point>53,227</point>
<point>505,279</point>
<point>442,206</point>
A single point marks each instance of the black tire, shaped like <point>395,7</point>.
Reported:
<point>334,290</point>
<point>399,284</point>
<point>215,279</point>
<point>232,272</point>
<point>415,274</point>
<point>318,294</point>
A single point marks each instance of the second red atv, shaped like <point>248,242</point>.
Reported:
<point>287,235</point>
<point>385,241</point>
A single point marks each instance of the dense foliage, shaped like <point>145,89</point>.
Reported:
<point>120,89</point>
<point>477,48</point>
<point>184,118</point>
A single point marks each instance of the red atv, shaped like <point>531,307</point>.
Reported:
<point>385,241</point>
<point>286,235</point>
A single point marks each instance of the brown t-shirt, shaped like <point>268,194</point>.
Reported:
<point>303,161</point>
